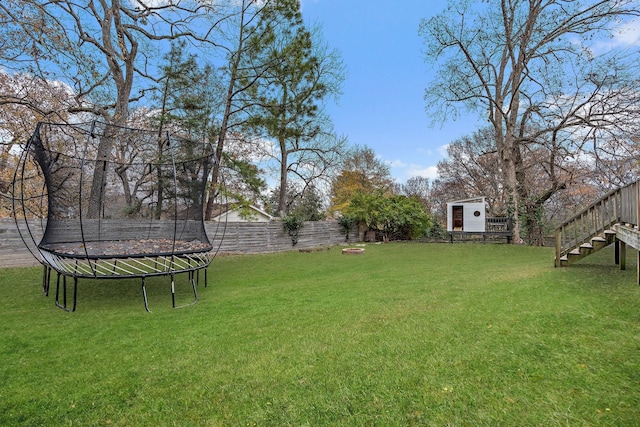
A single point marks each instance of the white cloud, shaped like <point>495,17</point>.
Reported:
<point>442,150</point>
<point>303,3</point>
<point>151,3</point>
<point>430,172</point>
<point>628,34</point>
<point>402,171</point>
<point>396,164</point>
<point>624,36</point>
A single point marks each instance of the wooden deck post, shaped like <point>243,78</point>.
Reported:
<point>622,256</point>
<point>638,269</point>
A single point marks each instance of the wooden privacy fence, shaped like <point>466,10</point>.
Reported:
<point>617,206</point>
<point>239,237</point>
<point>265,237</point>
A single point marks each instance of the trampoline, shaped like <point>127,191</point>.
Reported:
<point>99,201</point>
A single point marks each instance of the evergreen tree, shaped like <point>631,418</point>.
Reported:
<point>184,106</point>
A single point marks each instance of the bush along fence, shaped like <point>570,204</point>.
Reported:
<point>239,238</point>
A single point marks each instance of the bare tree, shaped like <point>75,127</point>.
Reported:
<point>530,66</point>
<point>418,187</point>
<point>107,52</point>
<point>24,100</point>
<point>96,48</point>
<point>470,170</point>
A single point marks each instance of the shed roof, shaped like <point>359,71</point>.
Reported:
<point>471,200</point>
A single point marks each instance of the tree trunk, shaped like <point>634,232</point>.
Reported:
<point>282,197</point>
<point>123,80</point>
<point>533,210</point>
<point>224,127</point>
<point>509,169</point>
<point>535,232</point>
<point>96,197</point>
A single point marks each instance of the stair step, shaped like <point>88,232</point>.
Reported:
<point>586,246</point>
<point>598,239</point>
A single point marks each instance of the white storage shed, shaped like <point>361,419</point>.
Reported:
<point>467,215</point>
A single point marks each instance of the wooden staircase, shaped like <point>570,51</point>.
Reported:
<point>585,249</point>
<point>591,229</point>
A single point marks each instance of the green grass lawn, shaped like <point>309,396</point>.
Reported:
<point>407,334</point>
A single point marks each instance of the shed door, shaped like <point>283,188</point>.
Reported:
<point>458,222</point>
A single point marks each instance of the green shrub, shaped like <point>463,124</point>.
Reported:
<point>397,216</point>
<point>346,223</point>
<point>292,225</point>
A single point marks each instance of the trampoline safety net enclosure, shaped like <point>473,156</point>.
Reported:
<point>115,202</point>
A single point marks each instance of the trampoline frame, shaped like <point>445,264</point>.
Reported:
<point>109,265</point>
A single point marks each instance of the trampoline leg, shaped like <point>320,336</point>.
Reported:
<point>144,295</point>
<point>64,293</point>
<point>195,291</point>
<point>46,280</point>
<point>57,288</point>
<point>75,293</point>
<point>205,276</point>
<point>193,286</point>
<point>173,291</point>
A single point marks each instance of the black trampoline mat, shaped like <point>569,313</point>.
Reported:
<point>127,248</point>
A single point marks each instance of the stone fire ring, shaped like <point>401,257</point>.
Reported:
<point>353,251</point>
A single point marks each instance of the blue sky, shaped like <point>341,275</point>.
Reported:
<point>382,103</point>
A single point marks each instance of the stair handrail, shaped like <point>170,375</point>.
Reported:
<point>586,224</point>
<point>588,208</point>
